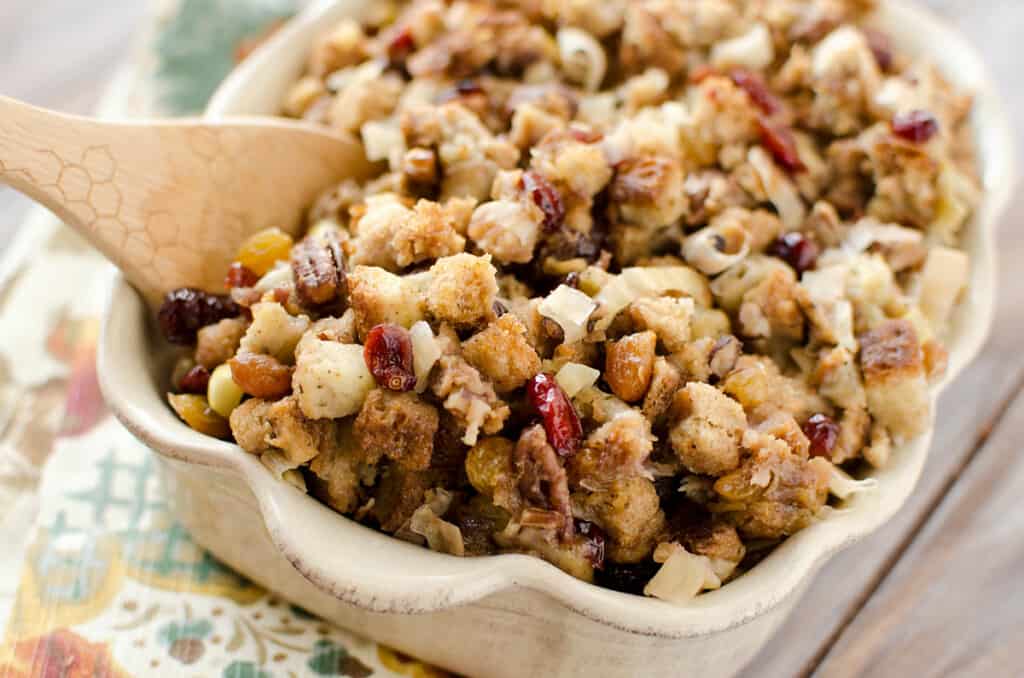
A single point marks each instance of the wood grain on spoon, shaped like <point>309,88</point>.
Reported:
<point>169,201</point>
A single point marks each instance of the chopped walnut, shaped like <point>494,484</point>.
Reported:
<point>468,397</point>
<point>666,379</point>
<point>629,365</point>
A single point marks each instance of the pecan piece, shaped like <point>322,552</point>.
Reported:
<point>542,478</point>
<point>318,265</point>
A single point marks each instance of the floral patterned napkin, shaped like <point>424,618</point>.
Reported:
<point>97,578</point>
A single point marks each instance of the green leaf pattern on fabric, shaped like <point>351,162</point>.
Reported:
<point>245,670</point>
<point>331,659</point>
<point>174,631</point>
<point>195,48</point>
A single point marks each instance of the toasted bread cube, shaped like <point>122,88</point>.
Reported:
<point>503,353</point>
<point>377,297</point>
<point>895,378</point>
<point>462,290</point>
<point>707,435</point>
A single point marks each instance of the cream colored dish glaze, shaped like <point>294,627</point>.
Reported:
<point>513,615</point>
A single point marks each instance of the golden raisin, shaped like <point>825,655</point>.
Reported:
<point>264,249</point>
<point>261,376</point>
<point>629,364</point>
<point>487,462</point>
<point>195,411</point>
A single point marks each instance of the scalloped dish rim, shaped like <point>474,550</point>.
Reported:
<point>392,576</point>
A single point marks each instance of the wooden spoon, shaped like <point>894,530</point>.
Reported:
<point>170,201</point>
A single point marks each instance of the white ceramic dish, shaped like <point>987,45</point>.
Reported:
<point>513,615</point>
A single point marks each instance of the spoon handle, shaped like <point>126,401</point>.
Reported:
<point>47,157</point>
<point>168,202</point>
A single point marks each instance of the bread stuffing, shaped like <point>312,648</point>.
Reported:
<point>639,288</point>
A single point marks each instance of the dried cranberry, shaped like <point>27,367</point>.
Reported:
<point>915,126</point>
<point>797,250</point>
<point>823,432</point>
<point>561,423</point>
<point>779,141</point>
<point>240,276</point>
<point>593,543</point>
<point>401,45</point>
<point>186,310</point>
<point>881,47</point>
<point>757,90</point>
<point>388,355</point>
<point>547,198</point>
<point>628,578</point>
<point>195,380</point>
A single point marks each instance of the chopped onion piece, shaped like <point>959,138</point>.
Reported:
<point>843,50</point>
<point>826,288</point>
<point>602,407</point>
<point>715,248</point>
<point>571,309</point>
<point>942,282</point>
<point>781,191</point>
<point>753,49</point>
<point>354,75</point>
<point>583,58</point>
<point>279,277</point>
<point>902,247</point>
<point>425,353</point>
<point>383,140</point>
<point>843,486</point>
<point>639,283</point>
<point>441,535</point>
<point>682,575</point>
<point>574,377</point>
<point>284,469</point>
<point>723,568</point>
<point>958,195</point>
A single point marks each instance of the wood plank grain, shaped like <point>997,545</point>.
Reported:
<point>955,598</point>
<point>60,54</point>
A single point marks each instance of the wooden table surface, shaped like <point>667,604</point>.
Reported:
<point>936,592</point>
